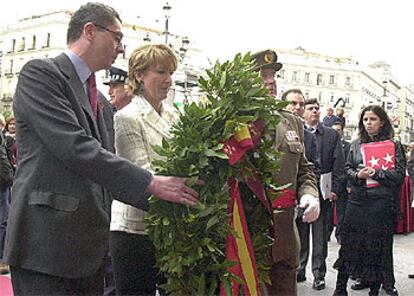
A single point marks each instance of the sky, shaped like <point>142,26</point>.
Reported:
<point>368,30</point>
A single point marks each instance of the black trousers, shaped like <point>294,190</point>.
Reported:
<point>30,282</point>
<point>109,279</point>
<point>389,278</point>
<point>340,214</point>
<point>319,242</point>
<point>133,257</point>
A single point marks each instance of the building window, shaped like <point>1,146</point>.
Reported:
<point>13,46</point>
<point>22,44</point>
<point>319,79</point>
<point>33,42</point>
<point>19,66</point>
<point>47,43</point>
<point>332,79</point>
<point>320,97</point>
<point>332,96</point>
<point>10,67</point>
<point>347,81</point>
<point>294,76</point>
<point>307,75</point>
<point>282,74</point>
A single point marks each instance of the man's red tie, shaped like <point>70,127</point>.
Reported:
<point>93,95</point>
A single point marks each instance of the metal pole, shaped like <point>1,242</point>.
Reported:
<point>166,31</point>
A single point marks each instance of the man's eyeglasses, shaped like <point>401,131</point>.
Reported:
<point>118,35</point>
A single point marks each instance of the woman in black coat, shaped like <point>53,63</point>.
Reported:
<point>366,246</point>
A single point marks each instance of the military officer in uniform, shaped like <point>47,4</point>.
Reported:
<point>296,170</point>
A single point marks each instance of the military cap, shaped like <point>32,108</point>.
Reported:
<point>116,75</point>
<point>266,59</point>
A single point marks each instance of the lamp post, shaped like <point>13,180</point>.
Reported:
<point>385,99</point>
<point>182,52</point>
<point>184,46</point>
<point>147,38</point>
<point>167,9</point>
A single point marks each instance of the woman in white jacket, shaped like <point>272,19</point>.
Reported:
<point>144,122</point>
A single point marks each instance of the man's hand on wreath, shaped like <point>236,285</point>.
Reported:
<point>173,189</point>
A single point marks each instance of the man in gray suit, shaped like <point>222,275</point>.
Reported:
<point>58,227</point>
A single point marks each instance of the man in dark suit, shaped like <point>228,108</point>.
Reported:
<point>331,158</point>
<point>58,228</point>
<point>340,203</point>
<point>330,118</point>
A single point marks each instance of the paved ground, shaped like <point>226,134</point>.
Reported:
<point>403,265</point>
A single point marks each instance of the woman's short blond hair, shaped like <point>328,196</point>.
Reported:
<point>146,56</point>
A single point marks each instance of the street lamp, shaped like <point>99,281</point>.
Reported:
<point>386,104</point>
<point>167,9</point>
<point>147,38</point>
<point>184,46</point>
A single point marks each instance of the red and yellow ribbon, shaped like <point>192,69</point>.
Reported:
<point>239,247</point>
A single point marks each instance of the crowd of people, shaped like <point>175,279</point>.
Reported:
<point>82,174</point>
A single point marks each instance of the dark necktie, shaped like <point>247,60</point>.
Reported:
<point>93,95</point>
<point>311,129</point>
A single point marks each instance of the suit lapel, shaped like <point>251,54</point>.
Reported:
<point>157,123</point>
<point>77,86</point>
<point>102,124</point>
<point>152,119</point>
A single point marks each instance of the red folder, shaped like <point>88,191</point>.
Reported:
<point>378,155</point>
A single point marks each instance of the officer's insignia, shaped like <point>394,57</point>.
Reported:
<point>268,58</point>
<point>292,136</point>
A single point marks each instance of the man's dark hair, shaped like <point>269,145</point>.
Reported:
<point>312,101</point>
<point>91,12</point>
<point>292,90</point>
<point>386,132</point>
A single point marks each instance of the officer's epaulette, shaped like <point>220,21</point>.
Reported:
<point>288,114</point>
<point>286,111</point>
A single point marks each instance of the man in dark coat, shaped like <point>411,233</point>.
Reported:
<point>331,158</point>
<point>340,203</point>
<point>330,118</point>
<point>57,234</point>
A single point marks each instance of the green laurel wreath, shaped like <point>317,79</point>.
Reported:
<point>190,242</point>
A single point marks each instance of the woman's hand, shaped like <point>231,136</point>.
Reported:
<point>366,173</point>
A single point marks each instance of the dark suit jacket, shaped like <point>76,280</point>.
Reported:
<point>311,151</point>
<point>331,155</point>
<point>59,221</point>
<point>345,147</point>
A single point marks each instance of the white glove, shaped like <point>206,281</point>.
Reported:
<point>311,206</point>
